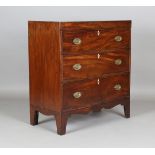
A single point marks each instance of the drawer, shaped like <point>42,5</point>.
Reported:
<point>95,41</point>
<point>90,92</point>
<point>95,65</point>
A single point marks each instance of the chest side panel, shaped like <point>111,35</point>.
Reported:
<point>44,65</point>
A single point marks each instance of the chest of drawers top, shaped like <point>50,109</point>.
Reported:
<point>95,25</point>
<point>89,25</point>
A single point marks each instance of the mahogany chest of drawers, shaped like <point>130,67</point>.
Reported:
<point>78,67</point>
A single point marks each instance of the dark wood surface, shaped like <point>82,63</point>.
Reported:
<point>45,66</point>
<point>90,41</point>
<point>93,93</point>
<point>95,25</point>
<point>92,67</point>
<point>53,80</point>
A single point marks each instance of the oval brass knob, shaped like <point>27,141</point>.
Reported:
<point>117,87</point>
<point>118,38</point>
<point>77,95</point>
<point>77,67</point>
<point>118,62</point>
<point>77,41</point>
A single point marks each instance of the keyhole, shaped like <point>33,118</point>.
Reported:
<point>98,81</point>
<point>98,32</point>
<point>98,56</point>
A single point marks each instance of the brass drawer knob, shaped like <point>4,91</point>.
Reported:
<point>77,67</point>
<point>118,62</point>
<point>118,38</point>
<point>77,95</point>
<point>77,41</point>
<point>117,87</point>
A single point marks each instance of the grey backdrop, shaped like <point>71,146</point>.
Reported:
<point>107,129</point>
<point>14,42</point>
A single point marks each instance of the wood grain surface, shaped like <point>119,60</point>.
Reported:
<point>53,81</point>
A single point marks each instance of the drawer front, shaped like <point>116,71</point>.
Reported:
<point>95,65</point>
<point>89,92</point>
<point>81,41</point>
